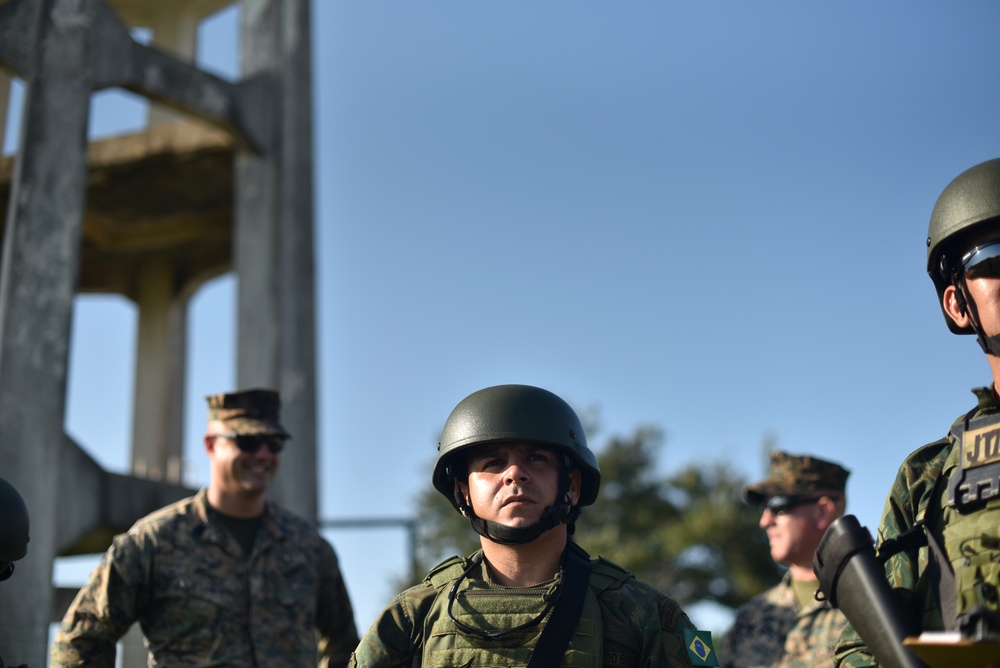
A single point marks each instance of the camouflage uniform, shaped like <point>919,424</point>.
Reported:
<point>770,630</point>
<point>917,494</point>
<point>201,602</point>
<point>641,626</point>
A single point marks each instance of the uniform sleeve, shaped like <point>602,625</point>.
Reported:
<point>667,646</point>
<point>394,640</point>
<point>103,609</point>
<point>732,640</point>
<point>902,570</point>
<point>338,636</point>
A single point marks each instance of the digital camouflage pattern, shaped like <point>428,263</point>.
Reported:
<point>248,411</point>
<point>641,626</point>
<point>796,475</point>
<point>770,631</point>
<point>917,494</point>
<point>202,602</point>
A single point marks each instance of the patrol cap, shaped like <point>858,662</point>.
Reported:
<point>794,475</point>
<point>248,412</point>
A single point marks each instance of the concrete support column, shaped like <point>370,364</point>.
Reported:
<point>175,28</point>
<point>273,252</point>
<point>38,275</point>
<point>158,415</point>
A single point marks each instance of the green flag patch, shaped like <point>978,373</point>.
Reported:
<point>699,647</point>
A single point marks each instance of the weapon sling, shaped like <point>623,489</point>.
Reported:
<point>555,636</point>
<point>939,572</point>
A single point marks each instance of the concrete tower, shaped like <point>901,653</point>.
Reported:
<point>220,180</point>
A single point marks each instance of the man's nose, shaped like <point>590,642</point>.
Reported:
<point>515,472</point>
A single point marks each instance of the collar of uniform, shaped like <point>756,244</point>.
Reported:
<point>271,526</point>
<point>484,578</point>
<point>987,399</point>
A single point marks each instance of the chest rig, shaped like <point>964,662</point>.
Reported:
<point>461,637</point>
<point>971,519</point>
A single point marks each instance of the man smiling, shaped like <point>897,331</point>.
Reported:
<point>514,460</point>
<point>224,578</point>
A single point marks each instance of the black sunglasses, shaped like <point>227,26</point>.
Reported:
<point>252,442</point>
<point>982,261</point>
<point>779,505</point>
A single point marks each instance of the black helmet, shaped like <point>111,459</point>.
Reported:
<point>13,525</point>
<point>971,199</point>
<point>517,413</point>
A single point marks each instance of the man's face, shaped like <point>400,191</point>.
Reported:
<point>512,483</point>
<point>236,472</point>
<point>982,284</point>
<point>794,533</point>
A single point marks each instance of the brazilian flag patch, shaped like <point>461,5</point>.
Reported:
<point>699,647</point>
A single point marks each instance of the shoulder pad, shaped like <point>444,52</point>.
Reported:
<point>606,574</point>
<point>446,571</point>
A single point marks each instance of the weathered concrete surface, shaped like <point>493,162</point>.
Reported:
<point>274,253</point>
<point>38,275</point>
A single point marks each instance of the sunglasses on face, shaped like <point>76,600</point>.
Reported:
<point>779,505</point>
<point>982,261</point>
<point>252,442</point>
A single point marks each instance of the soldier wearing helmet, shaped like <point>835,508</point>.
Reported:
<point>940,532</point>
<point>514,460</point>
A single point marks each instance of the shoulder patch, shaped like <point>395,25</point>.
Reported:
<point>699,648</point>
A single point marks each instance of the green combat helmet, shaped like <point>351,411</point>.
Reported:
<point>970,200</point>
<point>516,413</point>
<point>13,528</point>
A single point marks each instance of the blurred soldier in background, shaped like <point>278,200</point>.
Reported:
<point>224,578</point>
<point>514,460</point>
<point>13,532</point>
<point>786,626</point>
<point>940,530</point>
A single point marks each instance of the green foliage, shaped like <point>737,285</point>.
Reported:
<point>687,533</point>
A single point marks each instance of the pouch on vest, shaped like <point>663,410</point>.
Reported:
<point>971,531</point>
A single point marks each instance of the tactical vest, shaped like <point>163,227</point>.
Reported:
<point>971,513</point>
<point>487,608</point>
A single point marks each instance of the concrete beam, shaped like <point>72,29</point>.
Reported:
<point>117,60</point>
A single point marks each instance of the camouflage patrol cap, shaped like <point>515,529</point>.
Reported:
<point>793,475</point>
<point>248,411</point>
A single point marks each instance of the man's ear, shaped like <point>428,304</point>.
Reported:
<point>463,489</point>
<point>953,302</point>
<point>574,487</point>
<point>827,512</point>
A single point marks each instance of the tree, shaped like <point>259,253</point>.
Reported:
<point>688,533</point>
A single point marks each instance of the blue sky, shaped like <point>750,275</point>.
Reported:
<point>705,216</point>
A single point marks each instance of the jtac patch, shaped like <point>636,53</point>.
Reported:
<point>977,478</point>
<point>699,647</point>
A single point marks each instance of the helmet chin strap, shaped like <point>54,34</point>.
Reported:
<point>561,512</point>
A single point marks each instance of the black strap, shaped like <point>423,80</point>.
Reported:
<point>556,634</point>
<point>943,582</point>
<point>942,578</point>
